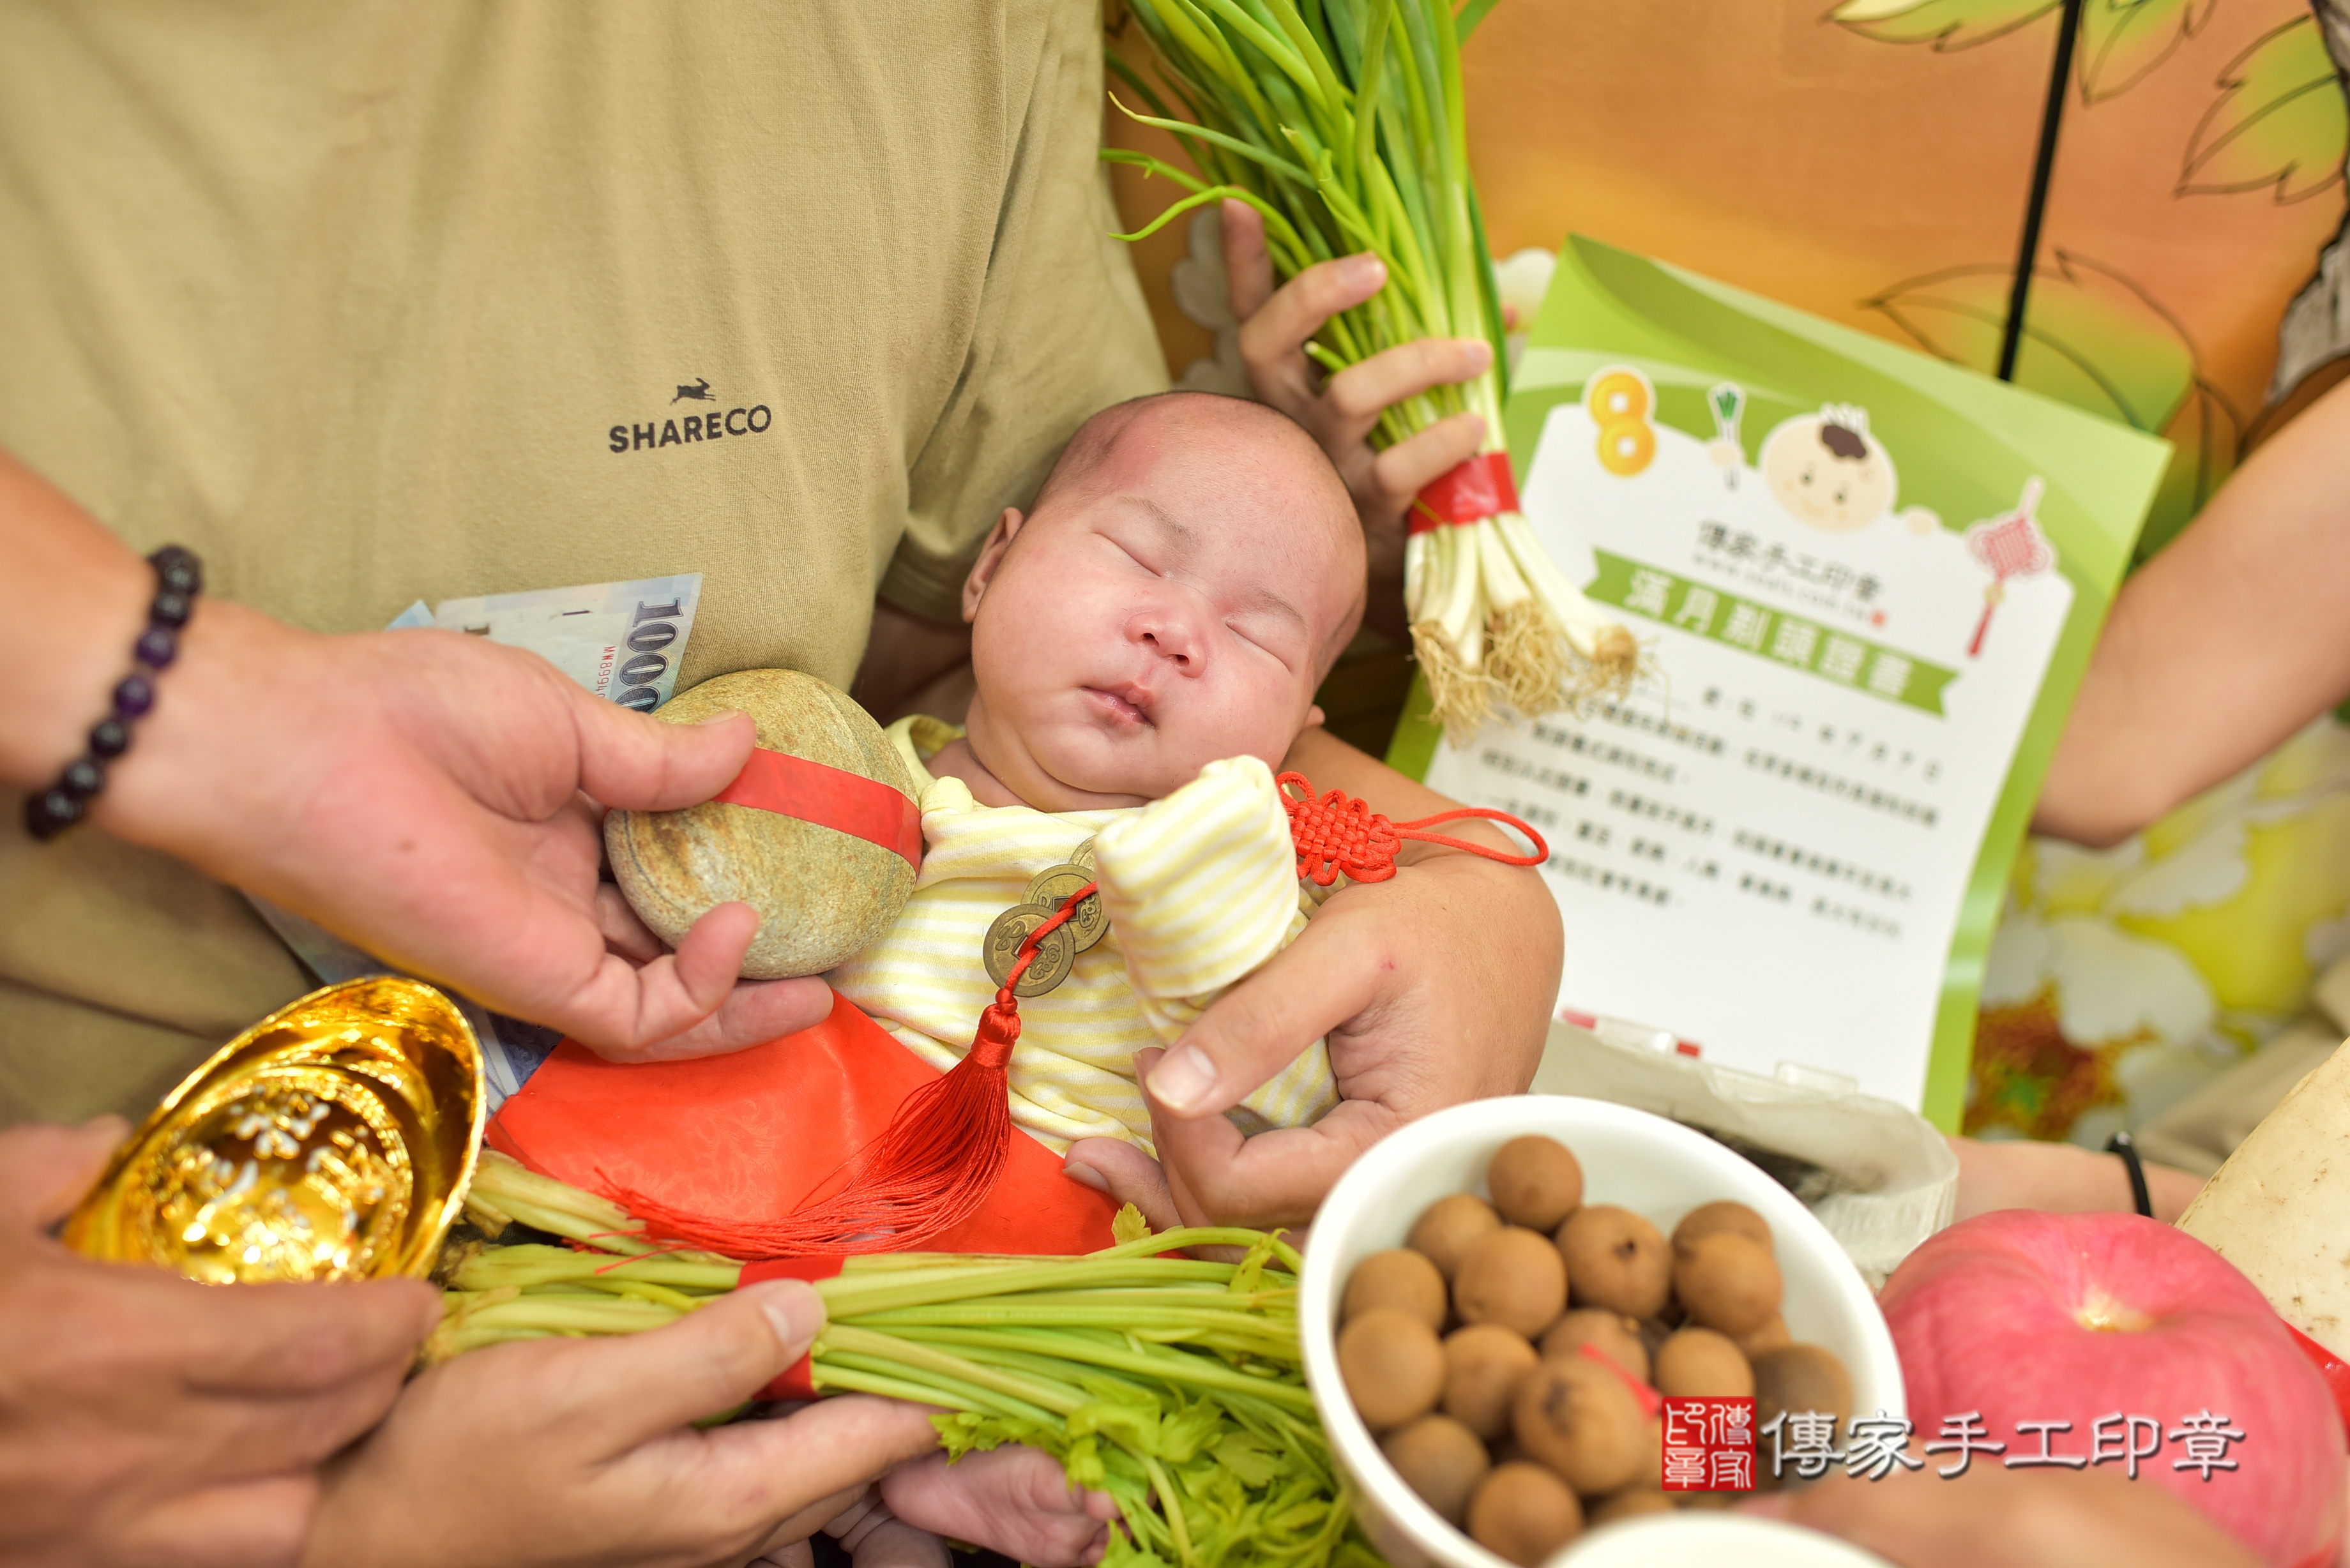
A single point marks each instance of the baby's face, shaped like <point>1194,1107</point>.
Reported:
<point>1177,607</point>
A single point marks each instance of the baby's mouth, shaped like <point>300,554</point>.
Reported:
<point>1128,706</point>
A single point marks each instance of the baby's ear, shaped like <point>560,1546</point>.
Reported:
<point>991,557</point>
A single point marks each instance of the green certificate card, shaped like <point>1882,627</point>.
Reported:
<point>1866,584</point>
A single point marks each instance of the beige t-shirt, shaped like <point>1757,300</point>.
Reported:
<point>378,302</point>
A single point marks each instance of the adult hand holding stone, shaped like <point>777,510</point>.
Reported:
<point>432,797</point>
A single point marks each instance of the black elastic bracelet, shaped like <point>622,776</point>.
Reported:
<point>2122,1144</point>
<point>179,578</point>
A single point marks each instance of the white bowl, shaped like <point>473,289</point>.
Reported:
<point>1708,1540</point>
<point>1642,1162</point>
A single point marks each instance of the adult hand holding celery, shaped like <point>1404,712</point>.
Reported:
<point>1342,125</point>
<point>1173,1383</point>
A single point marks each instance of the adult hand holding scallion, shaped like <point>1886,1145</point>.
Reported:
<point>1173,1383</point>
<point>1342,127</point>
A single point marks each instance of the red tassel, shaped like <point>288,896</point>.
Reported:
<point>938,1158</point>
<point>927,1173</point>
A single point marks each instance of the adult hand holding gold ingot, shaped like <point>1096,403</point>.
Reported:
<point>145,1417</point>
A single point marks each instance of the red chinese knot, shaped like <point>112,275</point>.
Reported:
<point>1339,834</point>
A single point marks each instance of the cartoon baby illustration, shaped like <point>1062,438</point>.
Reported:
<point>1826,472</point>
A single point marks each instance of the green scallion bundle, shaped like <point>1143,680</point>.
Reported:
<point>1341,122</point>
<point>1173,1383</point>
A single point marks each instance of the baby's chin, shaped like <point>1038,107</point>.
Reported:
<point>1107,772</point>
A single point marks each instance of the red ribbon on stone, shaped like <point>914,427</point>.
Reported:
<point>830,797</point>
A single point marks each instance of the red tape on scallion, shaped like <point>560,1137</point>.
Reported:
<point>1469,491</point>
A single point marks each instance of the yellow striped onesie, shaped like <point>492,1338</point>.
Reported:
<point>1200,887</point>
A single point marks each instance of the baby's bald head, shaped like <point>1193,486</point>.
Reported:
<point>1262,471</point>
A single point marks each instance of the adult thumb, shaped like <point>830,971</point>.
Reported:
<point>1255,1029</point>
<point>636,762</point>
<point>44,1171</point>
<point>1114,1166</point>
<point>707,1362</point>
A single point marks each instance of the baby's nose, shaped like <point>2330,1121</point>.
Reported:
<point>1167,644</point>
<point>1173,634</point>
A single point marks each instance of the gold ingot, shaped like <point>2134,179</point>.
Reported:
<point>332,1140</point>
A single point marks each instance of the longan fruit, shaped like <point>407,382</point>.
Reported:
<point>1632,1502</point>
<point>1484,1364</point>
<point>1513,1277</point>
<point>1535,1181</point>
<point>1579,1419</point>
<point>1448,1227</point>
<point>1523,1513</point>
<point>1612,1334</point>
<point>1398,1278</point>
<point>1769,1336</point>
<point>1652,1456</point>
<point>1800,1378</point>
<point>1723,1214</point>
<point>1393,1365</point>
<point>1728,1282</point>
<point>1699,1362</point>
<point>1442,1460</point>
<point>1616,1260</point>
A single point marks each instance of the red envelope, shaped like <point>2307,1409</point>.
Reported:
<point>750,1134</point>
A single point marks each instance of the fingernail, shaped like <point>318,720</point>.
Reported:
<point>1479,350</point>
<point>1183,1078</point>
<point>1362,269</point>
<point>722,716</point>
<point>794,1311</point>
<point>1084,1176</point>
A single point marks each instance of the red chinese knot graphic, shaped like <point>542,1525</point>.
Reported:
<point>2011,546</point>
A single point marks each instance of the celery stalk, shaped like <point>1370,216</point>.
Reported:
<point>1174,1383</point>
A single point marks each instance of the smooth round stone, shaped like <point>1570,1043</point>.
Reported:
<point>821,894</point>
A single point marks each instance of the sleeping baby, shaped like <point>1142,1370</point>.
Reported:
<point>1145,644</point>
<point>1146,641</point>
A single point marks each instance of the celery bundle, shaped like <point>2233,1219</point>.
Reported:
<point>1173,1384</point>
<point>1341,122</point>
